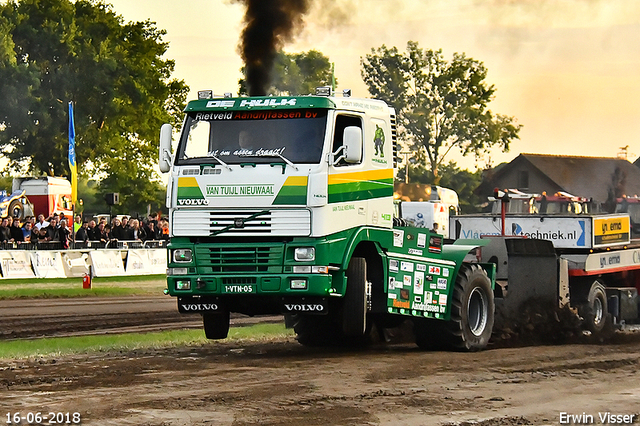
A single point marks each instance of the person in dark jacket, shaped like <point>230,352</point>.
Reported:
<point>82,236</point>
<point>117,230</point>
<point>64,234</point>
<point>93,232</point>
<point>5,232</point>
<point>16,231</point>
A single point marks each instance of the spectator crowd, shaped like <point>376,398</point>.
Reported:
<point>56,231</point>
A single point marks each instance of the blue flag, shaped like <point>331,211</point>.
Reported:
<point>72,157</point>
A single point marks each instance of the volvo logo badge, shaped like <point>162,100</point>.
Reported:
<point>238,222</point>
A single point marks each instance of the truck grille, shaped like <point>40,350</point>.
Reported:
<point>203,223</point>
<point>232,259</point>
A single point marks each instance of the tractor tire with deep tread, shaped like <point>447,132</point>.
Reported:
<point>216,326</point>
<point>16,209</point>
<point>354,318</point>
<point>472,310</point>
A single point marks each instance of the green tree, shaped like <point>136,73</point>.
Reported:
<point>297,74</point>
<point>56,51</point>
<point>93,200</point>
<point>464,182</point>
<point>441,104</point>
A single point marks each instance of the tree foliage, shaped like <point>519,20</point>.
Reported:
<point>297,74</point>
<point>441,104</point>
<point>464,182</point>
<point>56,51</point>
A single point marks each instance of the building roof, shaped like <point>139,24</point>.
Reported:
<point>592,177</point>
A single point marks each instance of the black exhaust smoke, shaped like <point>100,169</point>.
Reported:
<point>268,25</point>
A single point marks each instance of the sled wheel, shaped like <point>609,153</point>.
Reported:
<point>472,309</point>
<point>595,309</point>
<point>16,209</point>
<point>355,300</point>
<point>216,326</point>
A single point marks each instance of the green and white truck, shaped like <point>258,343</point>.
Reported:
<point>284,205</point>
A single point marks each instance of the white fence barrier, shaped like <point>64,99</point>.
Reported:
<point>76,263</point>
<point>16,264</point>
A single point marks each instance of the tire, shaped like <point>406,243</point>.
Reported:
<point>16,209</point>
<point>595,310</point>
<point>354,318</point>
<point>216,326</point>
<point>472,310</point>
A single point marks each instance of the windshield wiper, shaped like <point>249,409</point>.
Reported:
<point>275,154</point>
<point>225,165</point>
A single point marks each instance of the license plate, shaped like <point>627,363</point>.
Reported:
<point>238,288</point>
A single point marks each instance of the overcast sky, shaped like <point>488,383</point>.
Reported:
<point>568,70</point>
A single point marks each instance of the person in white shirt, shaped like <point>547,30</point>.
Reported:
<point>41,223</point>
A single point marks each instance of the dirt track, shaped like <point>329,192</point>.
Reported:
<point>283,383</point>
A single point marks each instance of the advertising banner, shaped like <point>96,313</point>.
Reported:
<point>76,263</point>
<point>564,232</point>
<point>16,264</point>
<point>47,264</point>
<point>107,263</point>
<point>146,261</point>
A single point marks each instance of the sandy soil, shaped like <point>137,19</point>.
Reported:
<point>284,383</point>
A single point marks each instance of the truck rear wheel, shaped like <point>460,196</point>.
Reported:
<point>355,300</point>
<point>216,326</point>
<point>472,309</point>
<point>594,309</point>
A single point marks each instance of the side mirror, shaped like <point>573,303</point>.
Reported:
<point>352,141</point>
<point>164,160</point>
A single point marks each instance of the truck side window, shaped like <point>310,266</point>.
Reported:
<point>342,122</point>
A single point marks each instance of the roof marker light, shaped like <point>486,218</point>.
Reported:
<point>323,91</point>
<point>205,94</point>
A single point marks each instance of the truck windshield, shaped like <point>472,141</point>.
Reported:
<point>253,136</point>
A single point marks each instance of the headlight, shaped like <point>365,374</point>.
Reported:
<point>183,285</point>
<point>182,255</point>
<point>298,284</point>
<point>304,254</point>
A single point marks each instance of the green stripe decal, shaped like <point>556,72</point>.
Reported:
<point>188,188</point>
<point>294,191</point>
<point>362,190</point>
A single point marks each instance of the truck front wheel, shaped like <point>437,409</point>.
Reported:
<point>216,326</point>
<point>355,299</point>
<point>472,309</point>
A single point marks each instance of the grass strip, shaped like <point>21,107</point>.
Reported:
<point>50,293</point>
<point>98,280</point>
<point>72,287</point>
<point>56,346</point>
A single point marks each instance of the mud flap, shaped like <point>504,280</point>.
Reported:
<point>531,266</point>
